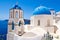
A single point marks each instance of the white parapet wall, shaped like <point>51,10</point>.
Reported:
<point>35,34</point>
<point>16,37</point>
<point>13,36</point>
<point>10,36</point>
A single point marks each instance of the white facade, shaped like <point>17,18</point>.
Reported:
<point>43,23</point>
<point>39,25</point>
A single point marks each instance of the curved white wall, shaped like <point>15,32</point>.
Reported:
<point>43,20</point>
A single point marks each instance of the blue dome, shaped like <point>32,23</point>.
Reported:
<point>41,10</point>
<point>16,7</point>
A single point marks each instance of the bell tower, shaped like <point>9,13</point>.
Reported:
<point>16,20</point>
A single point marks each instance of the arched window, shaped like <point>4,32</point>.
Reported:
<point>12,25</point>
<point>20,23</point>
<point>38,22</point>
<point>11,15</point>
<point>17,15</point>
<point>48,22</point>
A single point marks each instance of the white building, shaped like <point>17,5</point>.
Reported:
<point>43,20</point>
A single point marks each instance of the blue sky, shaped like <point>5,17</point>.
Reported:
<point>27,5</point>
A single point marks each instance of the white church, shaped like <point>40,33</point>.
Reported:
<point>43,21</point>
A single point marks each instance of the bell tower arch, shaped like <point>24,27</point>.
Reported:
<point>16,19</point>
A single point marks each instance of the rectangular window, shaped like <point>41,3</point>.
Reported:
<point>38,22</point>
